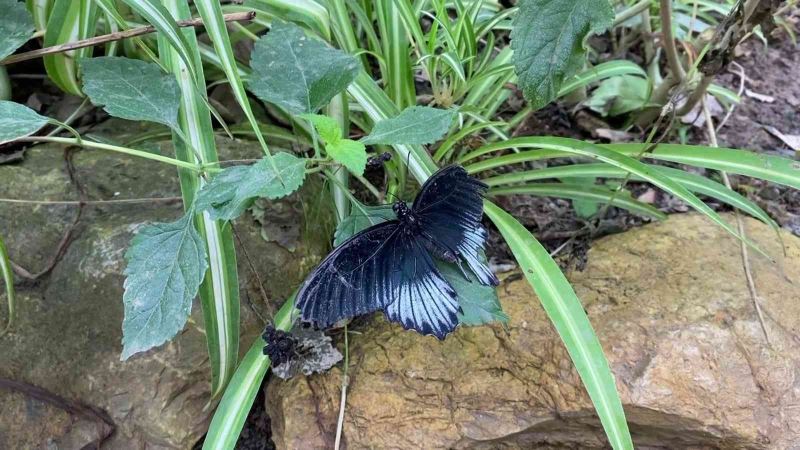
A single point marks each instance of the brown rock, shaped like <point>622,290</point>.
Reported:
<point>67,339</point>
<point>671,307</point>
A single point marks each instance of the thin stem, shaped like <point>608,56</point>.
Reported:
<point>637,8</point>
<point>97,40</point>
<point>345,383</point>
<point>113,148</point>
<point>68,121</point>
<point>670,49</point>
<point>92,202</point>
<point>748,273</point>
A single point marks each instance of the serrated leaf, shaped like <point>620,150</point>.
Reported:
<point>16,26</point>
<point>297,72</point>
<point>351,154</point>
<point>18,121</point>
<point>360,218</point>
<point>235,189</point>
<point>166,264</point>
<point>132,89</point>
<point>479,304</point>
<point>619,95</point>
<point>414,125</point>
<point>327,127</point>
<point>547,38</point>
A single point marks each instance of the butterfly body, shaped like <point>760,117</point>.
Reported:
<point>390,266</point>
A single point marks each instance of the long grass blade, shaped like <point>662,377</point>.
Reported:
<point>766,167</point>
<point>219,293</point>
<point>8,280</point>
<point>211,12</point>
<point>566,312</point>
<point>235,405</point>
<point>582,192</point>
<point>70,20</point>
<point>695,183</point>
<point>625,162</point>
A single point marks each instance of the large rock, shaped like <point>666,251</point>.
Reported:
<point>671,307</point>
<point>67,340</point>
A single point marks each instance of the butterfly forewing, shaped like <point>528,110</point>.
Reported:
<point>449,209</point>
<point>354,279</point>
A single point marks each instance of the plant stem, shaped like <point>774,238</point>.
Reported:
<point>748,273</point>
<point>233,17</point>
<point>673,59</point>
<point>343,400</point>
<point>630,12</point>
<point>113,148</point>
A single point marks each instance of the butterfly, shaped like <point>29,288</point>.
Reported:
<point>390,266</point>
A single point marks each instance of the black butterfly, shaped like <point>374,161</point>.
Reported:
<point>389,266</point>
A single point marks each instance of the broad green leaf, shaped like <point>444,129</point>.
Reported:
<point>327,127</point>
<point>352,154</point>
<point>566,312</point>
<point>297,72</point>
<point>479,303</point>
<point>360,218</point>
<point>166,264</point>
<point>548,42</point>
<point>18,121</point>
<point>132,89</point>
<point>415,125</point>
<point>619,95</point>
<point>234,189</point>
<point>16,26</point>
<point>223,433</point>
<point>585,208</point>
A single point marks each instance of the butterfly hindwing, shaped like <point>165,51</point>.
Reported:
<point>424,300</point>
<point>449,209</point>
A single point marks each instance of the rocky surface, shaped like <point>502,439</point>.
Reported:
<point>67,340</point>
<point>671,307</point>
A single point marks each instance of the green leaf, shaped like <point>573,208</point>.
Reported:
<point>360,218</point>
<point>548,42</point>
<point>566,312</point>
<point>415,125</point>
<point>479,303</point>
<point>8,280</point>
<point>69,21</point>
<point>132,89</point>
<point>584,208</point>
<point>297,72</point>
<point>234,189</point>
<point>327,127</point>
<point>18,121</point>
<point>16,26</point>
<point>166,264</point>
<point>619,95</point>
<point>352,154</point>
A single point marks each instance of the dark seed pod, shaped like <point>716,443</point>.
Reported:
<point>378,160</point>
<point>281,346</point>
